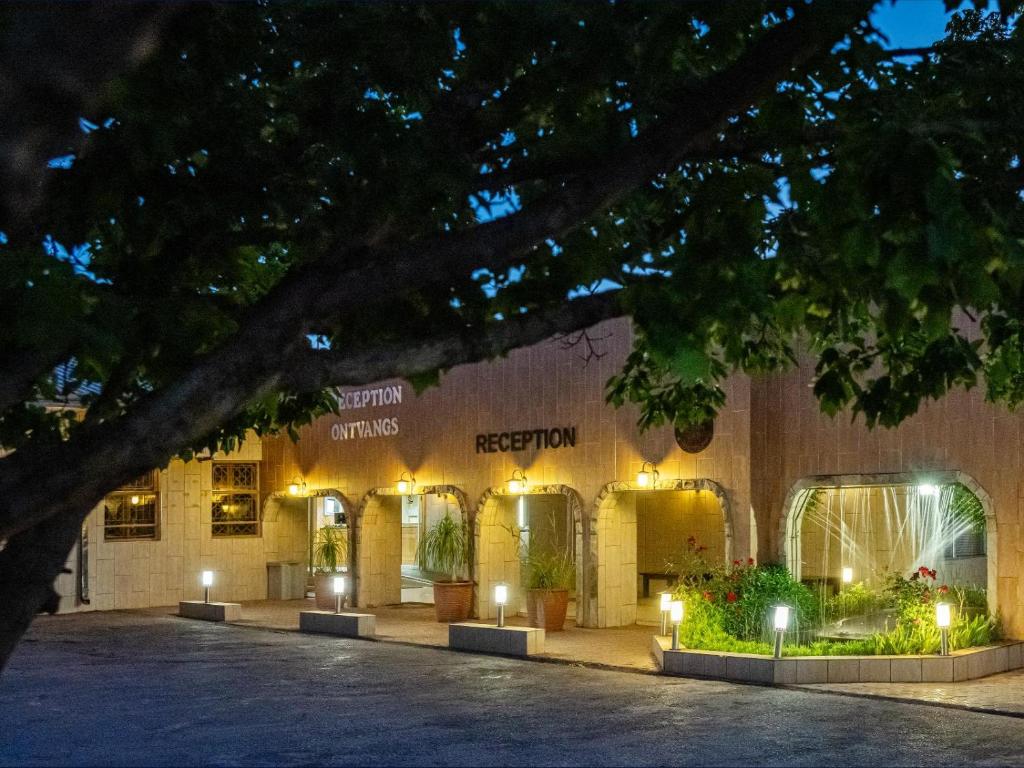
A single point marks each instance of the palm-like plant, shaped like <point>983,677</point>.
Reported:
<point>329,549</point>
<point>444,547</point>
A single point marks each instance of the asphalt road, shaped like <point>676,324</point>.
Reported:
<point>125,689</point>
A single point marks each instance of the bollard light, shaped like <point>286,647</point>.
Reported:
<point>207,580</point>
<point>666,606</point>
<point>518,482</point>
<point>781,622</point>
<point>847,575</point>
<point>676,616</point>
<point>943,618</point>
<point>500,599</point>
<point>339,592</point>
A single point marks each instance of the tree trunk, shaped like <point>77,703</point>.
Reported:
<point>29,564</point>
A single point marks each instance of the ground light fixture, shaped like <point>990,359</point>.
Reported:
<point>518,482</point>
<point>339,592</point>
<point>500,599</point>
<point>405,483</point>
<point>781,621</point>
<point>666,606</point>
<point>207,581</point>
<point>676,615</point>
<point>847,575</point>
<point>297,487</point>
<point>943,618</point>
<point>647,477</point>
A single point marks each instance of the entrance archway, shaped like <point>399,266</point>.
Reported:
<point>387,529</point>
<point>554,512</point>
<point>634,534</point>
<point>860,528</point>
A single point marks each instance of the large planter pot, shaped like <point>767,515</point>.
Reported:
<point>453,600</point>
<point>546,608</point>
<point>324,588</point>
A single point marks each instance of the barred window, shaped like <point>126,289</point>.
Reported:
<point>970,543</point>
<point>133,510</point>
<point>235,499</point>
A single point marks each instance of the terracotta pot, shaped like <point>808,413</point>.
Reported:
<point>324,587</point>
<point>453,600</point>
<point>546,608</point>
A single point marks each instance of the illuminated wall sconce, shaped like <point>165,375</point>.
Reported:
<point>207,581</point>
<point>847,575</point>
<point>943,618</point>
<point>648,476</point>
<point>135,500</point>
<point>518,482</point>
<point>676,615</point>
<point>297,487</point>
<point>405,483</point>
<point>339,592</point>
<point>500,599</point>
<point>666,606</point>
<point>781,622</point>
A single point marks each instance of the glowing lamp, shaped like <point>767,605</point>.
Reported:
<point>339,585</point>
<point>647,477</point>
<point>500,598</point>
<point>297,487</point>
<point>781,617</point>
<point>847,575</point>
<point>943,618</point>
<point>666,601</point>
<point>518,482</point>
<point>405,483</point>
<point>207,581</point>
<point>928,489</point>
<point>135,500</point>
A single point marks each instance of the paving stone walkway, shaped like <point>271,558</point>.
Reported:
<point>123,688</point>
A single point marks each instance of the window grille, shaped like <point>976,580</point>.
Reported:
<point>235,509</point>
<point>133,510</point>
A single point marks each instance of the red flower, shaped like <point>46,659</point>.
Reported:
<point>731,597</point>
<point>708,596</point>
<point>943,589</point>
<point>923,570</point>
<point>735,562</point>
<point>750,561</point>
<point>931,574</point>
<point>692,540</point>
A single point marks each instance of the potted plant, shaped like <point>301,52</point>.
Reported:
<point>444,549</point>
<point>547,576</point>
<point>329,550</point>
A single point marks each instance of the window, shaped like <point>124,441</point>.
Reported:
<point>235,504</point>
<point>970,543</point>
<point>132,512</point>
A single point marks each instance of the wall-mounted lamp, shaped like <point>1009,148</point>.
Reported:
<point>339,592</point>
<point>781,622</point>
<point>927,489</point>
<point>847,575</point>
<point>135,500</point>
<point>405,483</point>
<point>500,599</point>
<point>518,482</point>
<point>297,487</point>
<point>676,615</point>
<point>207,581</point>
<point>648,476</point>
<point>943,618</point>
<point>666,606</point>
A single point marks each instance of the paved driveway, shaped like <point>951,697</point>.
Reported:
<point>130,689</point>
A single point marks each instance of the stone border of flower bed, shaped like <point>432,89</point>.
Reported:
<point>968,664</point>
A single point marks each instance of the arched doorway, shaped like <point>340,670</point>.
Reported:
<point>635,536</point>
<point>387,531</point>
<point>548,516</point>
<point>839,530</point>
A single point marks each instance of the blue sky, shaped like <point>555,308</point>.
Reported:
<point>911,23</point>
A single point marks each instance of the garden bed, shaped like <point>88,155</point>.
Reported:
<point>966,664</point>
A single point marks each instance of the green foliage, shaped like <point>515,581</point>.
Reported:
<point>444,548</point>
<point>329,549</point>
<point>854,600</point>
<point>965,507</point>
<point>544,569</point>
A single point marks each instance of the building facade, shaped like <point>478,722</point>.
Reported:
<point>394,461</point>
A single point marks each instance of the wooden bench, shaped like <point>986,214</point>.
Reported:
<point>671,578</point>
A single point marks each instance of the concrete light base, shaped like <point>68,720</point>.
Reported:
<point>197,609</point>
<point>967,664</point>
<point>342,624</point>
<point>487,638</point>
